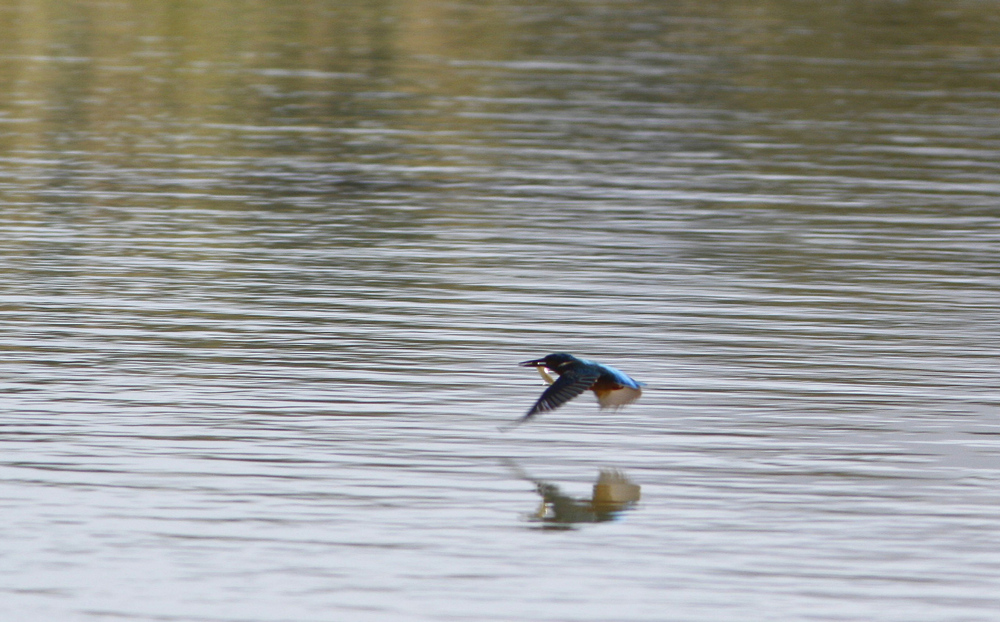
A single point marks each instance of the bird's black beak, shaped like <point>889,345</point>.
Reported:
<point>534,363</point>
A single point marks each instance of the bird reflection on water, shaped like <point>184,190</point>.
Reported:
<point>613,494</point>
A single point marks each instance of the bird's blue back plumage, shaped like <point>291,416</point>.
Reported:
<point>620,377</point>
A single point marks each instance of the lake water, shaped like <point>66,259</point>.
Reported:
<point>268,270</point>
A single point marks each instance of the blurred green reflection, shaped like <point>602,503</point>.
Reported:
<point>156,76</point>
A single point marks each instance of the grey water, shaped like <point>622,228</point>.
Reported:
<point>268,270</point>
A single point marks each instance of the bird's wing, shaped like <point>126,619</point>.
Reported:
<point>569,385</point>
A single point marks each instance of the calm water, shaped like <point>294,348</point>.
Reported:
<point>268,270</point>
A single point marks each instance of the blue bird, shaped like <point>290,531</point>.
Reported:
<point>613,388</point>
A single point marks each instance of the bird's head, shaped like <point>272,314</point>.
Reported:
<point>552,361</point>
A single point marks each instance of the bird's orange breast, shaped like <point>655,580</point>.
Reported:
<point>605,384</point>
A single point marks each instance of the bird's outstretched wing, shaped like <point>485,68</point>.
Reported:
<point>568,386</point>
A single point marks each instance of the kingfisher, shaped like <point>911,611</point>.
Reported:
<point>613,388</point>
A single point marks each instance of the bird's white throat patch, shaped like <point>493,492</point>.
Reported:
<point>544,373</point>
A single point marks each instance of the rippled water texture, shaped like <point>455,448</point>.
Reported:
<point>268,270</point>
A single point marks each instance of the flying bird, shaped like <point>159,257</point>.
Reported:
<point>613,388</point>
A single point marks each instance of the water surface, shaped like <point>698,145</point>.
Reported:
<point>268,271</point>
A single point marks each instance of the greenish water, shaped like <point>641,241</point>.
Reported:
<point>268,270</point>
